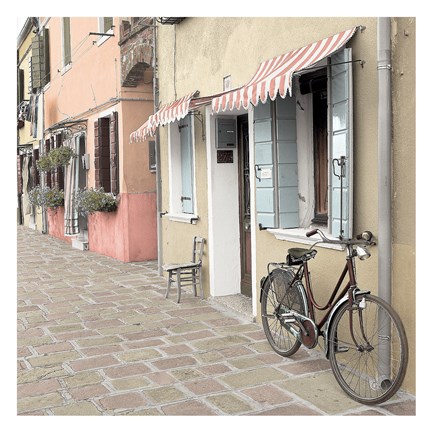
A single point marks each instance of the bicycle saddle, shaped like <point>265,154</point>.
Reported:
<point>298,255</point>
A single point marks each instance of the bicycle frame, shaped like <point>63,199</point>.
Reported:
<point>335,301</point>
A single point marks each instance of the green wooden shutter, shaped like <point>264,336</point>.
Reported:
<point>275,136</point>
<point>37,63</point>
<point>341,144</point>
<point>102,154</point>
<point>107,23</point>
<point>187,171</point>
<point>47,71</point>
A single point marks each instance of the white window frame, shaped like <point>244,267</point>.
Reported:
<point>101,29</point>
<point>65,66</point>
<point>175,176</point>
<point>305,154</point>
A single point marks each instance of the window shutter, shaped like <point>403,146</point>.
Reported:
<point>264,166</point>
<point>114,177</point>
<point>186,164</point>
<point>20,77</point>
<point>19,174</point>
<point>102,154</point>
<point>48,173</point>
<point>287,172</point>
<point>276,164</point>
<point>341,144</point>
<point>35,172</point>
<point>67,58</point>
<point>107,23</point>
<point>37,63</point>
<point>60,170</point>
<point>47,70</point>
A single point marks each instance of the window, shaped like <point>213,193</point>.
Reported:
<point>66,43</point>
<point>181,160</point>
<point>39,61</point>
<point>105,26</point>
<point>106,153</point>
<point>303,153</point>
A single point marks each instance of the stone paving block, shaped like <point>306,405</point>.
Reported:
<point>219,342</point>
<point>248,378</point>
<point>267,395</point>
<point>293,409</point>
<point>88,391</point>
<point>54,347</point>
<point>229,403</point>
<point>103,349</point>
<point>53,358</point>
<point>161,378</point>
<point>245,362</point>
<point>41,373</point>
<point>321,390</point>
<point>130,383</point>
<point>188,408</point>
<point>83,379</point>
<point>128,370</point>
<point>38,388</point>
<point>93,363</point>
<point>304,367</point>
<point>82,408</point>
<point>123,401</point>
<point>34,403</point>
<point>215,369</point>
<point>204,386</point>
<point>139,354</point>
<point>172,363</point>
<point>404,408</point>
<point>163,395</point>
<point>97,341</point>
<point>186,374</point>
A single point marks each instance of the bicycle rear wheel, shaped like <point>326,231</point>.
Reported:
<point>278,297</point>
<point>373,370</point>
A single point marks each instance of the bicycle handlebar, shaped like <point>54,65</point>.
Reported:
<point>365,238</point>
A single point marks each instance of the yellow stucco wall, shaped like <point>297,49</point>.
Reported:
<point>199,52</point>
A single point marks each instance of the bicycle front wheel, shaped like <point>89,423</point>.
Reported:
<point>279,297</point>
<point>369,358</point>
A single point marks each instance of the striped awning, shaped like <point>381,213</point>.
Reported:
<point>275,75</point>
<point>169,113</point>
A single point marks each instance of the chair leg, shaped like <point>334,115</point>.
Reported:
<point>200,284</point>
<point>194,280</point>
<point>169,283</point>
<point>178,286</point>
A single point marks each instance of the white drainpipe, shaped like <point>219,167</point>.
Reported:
<point>384,159</point>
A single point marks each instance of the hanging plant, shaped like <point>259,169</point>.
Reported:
<point>57,157</point>
<point>44,163</point>
<point>61,156</point>
<point>46,197</point>
<point>89,201</point>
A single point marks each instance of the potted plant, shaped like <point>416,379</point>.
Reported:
<point>89,201</point>
<point>46,197</point>
<point>57,157</point>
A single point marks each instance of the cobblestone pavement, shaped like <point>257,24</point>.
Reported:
<point>97,337</point>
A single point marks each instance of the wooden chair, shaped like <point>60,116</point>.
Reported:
<point>188,273</point>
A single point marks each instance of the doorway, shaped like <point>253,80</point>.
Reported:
<point>244,203</point>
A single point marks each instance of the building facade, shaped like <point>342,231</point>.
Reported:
<point>95,81</point>
<point>252,161</point>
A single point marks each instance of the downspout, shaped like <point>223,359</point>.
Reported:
<point>384,159</point>
<point>157,154</point>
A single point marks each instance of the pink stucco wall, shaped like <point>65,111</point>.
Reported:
<point>56,224</point>
<point>128,234</point>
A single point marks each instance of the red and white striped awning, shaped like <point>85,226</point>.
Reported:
<point>167,114</point>
<point>275,75</point>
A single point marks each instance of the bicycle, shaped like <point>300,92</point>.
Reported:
<point>364,338</point>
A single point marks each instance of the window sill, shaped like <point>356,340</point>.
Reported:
<point>298,235</point>
<point>66,68</point>
<point>103,39</point>
<point>183,218</point>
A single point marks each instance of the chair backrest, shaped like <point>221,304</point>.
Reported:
<point>197,249</point>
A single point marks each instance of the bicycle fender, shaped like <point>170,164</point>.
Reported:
<point>329,321</point>
<point>262,283</point>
